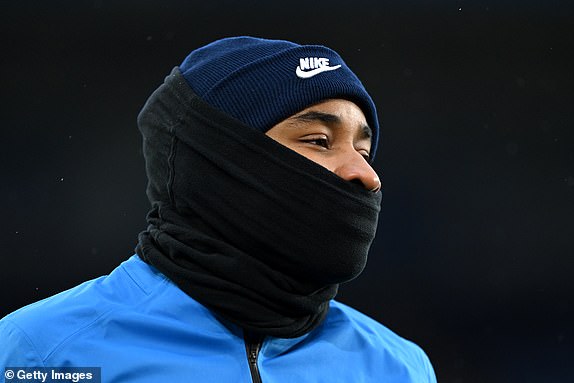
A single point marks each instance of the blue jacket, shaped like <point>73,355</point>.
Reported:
<point>139,327</point>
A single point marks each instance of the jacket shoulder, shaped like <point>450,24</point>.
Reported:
<point>380,341</point>
<point>36,330</point>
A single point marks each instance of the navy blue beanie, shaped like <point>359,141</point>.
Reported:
<point>262,82</point>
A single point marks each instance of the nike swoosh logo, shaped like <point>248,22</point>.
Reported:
<point>308,74</point>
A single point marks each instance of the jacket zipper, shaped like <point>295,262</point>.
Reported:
<point>252,346</point>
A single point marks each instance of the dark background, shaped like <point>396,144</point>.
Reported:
<point>474,255</point>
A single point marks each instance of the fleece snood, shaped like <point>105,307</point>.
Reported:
<point>252,230</point>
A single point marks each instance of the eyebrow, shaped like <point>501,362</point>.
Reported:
<point>329,118</point>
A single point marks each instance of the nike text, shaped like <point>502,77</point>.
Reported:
<point>311,66</point>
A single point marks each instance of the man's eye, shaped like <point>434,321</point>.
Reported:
<point>366,156</point>
<point>318,141</point>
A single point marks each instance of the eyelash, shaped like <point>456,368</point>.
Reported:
<point>324,142</point>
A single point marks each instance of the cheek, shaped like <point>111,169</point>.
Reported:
<point>319,158</point>
<point>303,149</point>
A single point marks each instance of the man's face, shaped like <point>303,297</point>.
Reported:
<point>334,134</point>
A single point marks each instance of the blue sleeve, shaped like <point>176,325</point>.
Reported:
<point>17,349</point>
<point>429,369</point>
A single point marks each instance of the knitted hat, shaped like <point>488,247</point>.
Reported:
<point>262,82</point>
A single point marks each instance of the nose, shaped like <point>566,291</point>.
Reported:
<point>354,168</point>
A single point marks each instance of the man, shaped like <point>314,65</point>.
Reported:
<point>258,154</point>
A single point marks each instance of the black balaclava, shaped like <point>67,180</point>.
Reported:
<point>247,227</point>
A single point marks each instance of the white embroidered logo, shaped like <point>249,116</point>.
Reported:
<point>311,66</point>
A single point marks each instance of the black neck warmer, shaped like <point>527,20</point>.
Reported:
<point>254,231</point>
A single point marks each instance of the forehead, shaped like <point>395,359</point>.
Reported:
<point>340,107</point>
<point>336,112</point>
